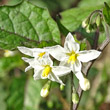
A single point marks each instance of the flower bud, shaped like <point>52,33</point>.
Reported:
<point>85,84</point>
<point>85,23</point>
<point>75,98</point>
<point>8,53</point>
<point>88,29</point>
<point>45,90</point>
<point>61,87</point>
<point>98,20</point>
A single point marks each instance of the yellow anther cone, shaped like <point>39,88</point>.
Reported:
<point>46,71</point>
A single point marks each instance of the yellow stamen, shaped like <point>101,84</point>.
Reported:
<point>46,71</point>
<point>72,57</point>
<point>41,54</point>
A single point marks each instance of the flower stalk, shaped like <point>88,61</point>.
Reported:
<point>72,85</point>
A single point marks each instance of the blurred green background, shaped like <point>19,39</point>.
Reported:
<point>18,90</point>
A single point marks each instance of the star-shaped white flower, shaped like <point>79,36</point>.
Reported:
<point>37,53</point>
<point>70,55</point>
<point>43,69</point>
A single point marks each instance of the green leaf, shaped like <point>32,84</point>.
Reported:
<point>72,18</point>
<point>24,93</point>
<point>3,95</point>
<point>8,63</point>
<point>16,97</point>
<point>61,27</point>
<point>26,25</point>
<point>106,13</point>
<point>11,2</point>
<point>88,3</point>
<point>32,95</point>
<point>53,5</point>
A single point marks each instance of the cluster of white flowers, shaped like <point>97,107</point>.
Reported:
<point>70,60</point>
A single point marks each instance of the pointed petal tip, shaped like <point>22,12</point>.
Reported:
<point>99,52</point>
<point>88,55</point>
<point>23,58</point>
<point>20,47</point>
<point>25,70</point>
<point>28,68</point>
<point>70,34</point>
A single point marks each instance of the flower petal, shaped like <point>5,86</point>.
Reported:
<point>53,77</point>
<point>33,62</point>
<point>61,70</point>
<point>71,47</point>
<point>65,63</point>
<point>84,82</point>
<point>70,44</point>
<point>37,73</point>
<point>26,50</point>
<point>46,61</point>
<point>57,52</point>
<point>28,60</point>
<point>79,75</point>
<point>70,38</point>
<point>76,66</point>
<point>31,51</point>
<point>28,68</point>
<point>88,55</point>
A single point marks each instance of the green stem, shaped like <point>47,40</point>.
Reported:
<point>71,78</point>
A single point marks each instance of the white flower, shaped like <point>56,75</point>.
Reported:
<point>9,53</point>
<point>38,53</point>
<point>70,55</point>
<point>43,69</point>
